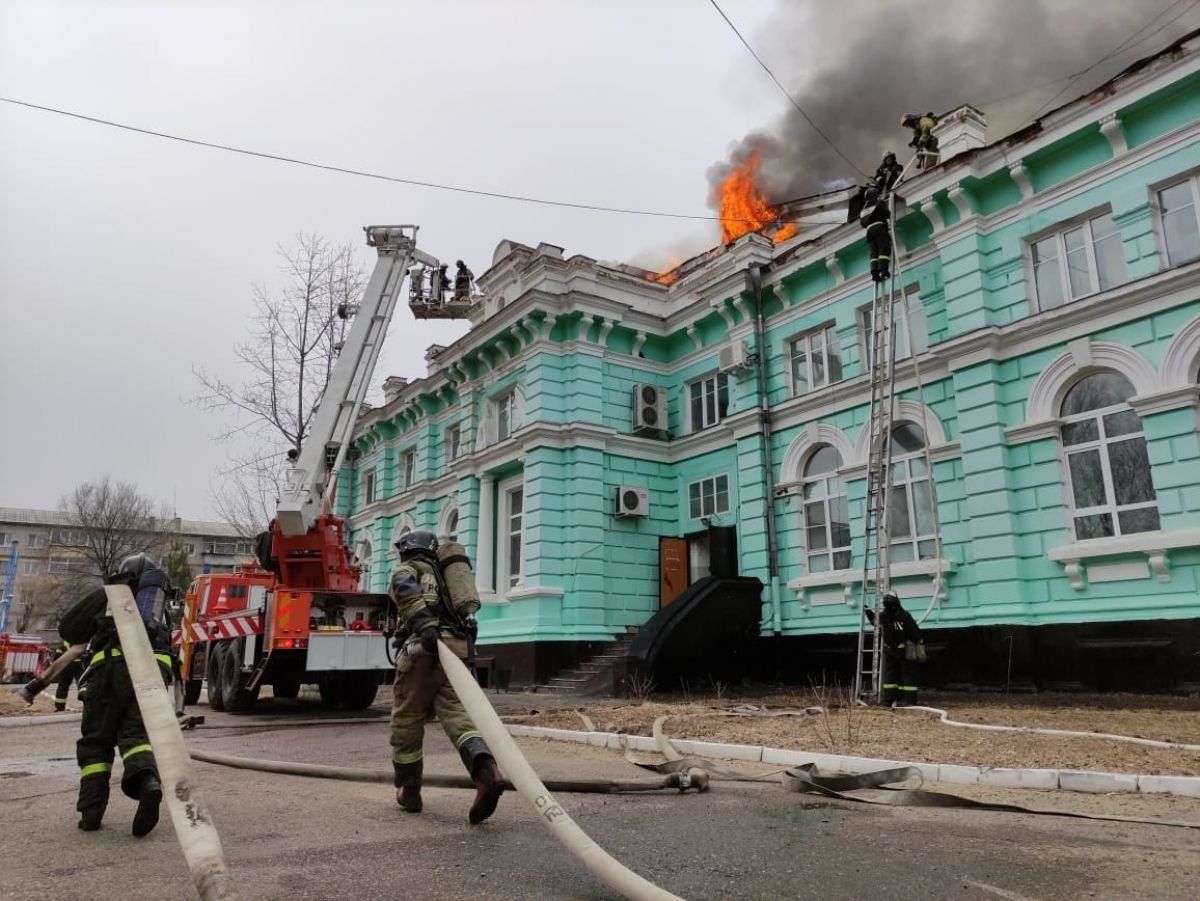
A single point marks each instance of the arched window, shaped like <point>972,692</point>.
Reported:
<point>910,506</point>
<point>826,513</point>
<point>1107,465</point>
<point>363,553</point>
<point>449,526</point>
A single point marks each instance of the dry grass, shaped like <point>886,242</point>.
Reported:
<point>11,705</point>
<point>912,735</point>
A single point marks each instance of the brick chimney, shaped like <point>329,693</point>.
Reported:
<point>960,130</point>
<point>392,386</point>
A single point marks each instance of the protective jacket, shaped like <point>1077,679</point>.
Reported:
<point>898,629</point>
<point>874,219</point>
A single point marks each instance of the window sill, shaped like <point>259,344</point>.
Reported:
<point>849,578</point>
<point>522,593</point>
<point>1154,545</point>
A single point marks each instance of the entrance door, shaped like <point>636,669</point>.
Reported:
<point>699,558</point>
<point>672,569</point>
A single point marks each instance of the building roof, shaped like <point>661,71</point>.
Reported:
<point>34,517</point>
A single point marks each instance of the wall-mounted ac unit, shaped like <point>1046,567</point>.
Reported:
<point>734,357</point>
<point>633,501</point>
<point>649,409</point>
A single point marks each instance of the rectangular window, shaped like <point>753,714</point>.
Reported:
<point>708,401</point>
<point>514,514</point>
<point>4,538</point>
<point>504,415</point>
<point>58,566</point>
<point>1177,213</point>
<point>453,443</point>
<point>408,468</point>
<point>816,360</point>
<point>37,539</point>
<point>369,487</point>
<point>29,568</point>
<point>191,549</point>
<point>1077,261</point>
<point>708,497</point>
<point>900,323</point>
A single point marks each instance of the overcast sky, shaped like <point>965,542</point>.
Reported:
<point>126,259</point>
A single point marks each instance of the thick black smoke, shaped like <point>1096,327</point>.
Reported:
<point>863,63</point>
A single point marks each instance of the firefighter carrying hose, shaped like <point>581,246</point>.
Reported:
<point>111,716</point>
<point>70,674</point>
<point>903,649</point>
<point>429,610</point>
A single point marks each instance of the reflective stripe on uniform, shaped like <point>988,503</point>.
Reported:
<point>136,749</point>
<point>98,657</point>
<point>908,688</point>
<point>403,757</point>
<point>466,737</point>
<point>93,768</point>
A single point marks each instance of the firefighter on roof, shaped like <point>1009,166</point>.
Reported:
<point>111,716</point>
<point>429,610</point>
<point>923,140</point>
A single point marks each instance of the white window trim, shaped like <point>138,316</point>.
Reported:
<point>1058,232</point>
<point>504,491</point>
<point>408,479</point>
<point>826,330</point>
<point>450,509</point>
<point>489,434</point>
<point>1155,545</point>
<point>451,453</point>
<point>713,478</point>
<point>910,295</point>
<point>833,475</point>
<point>915,539</point>
<point>370,486</point>
<point>692,427</point>
<point>1101,444</point>
<point>1160,233</point>
<point>405,524</point>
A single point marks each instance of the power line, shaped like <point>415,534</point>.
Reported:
<point>342,170</point>
<point>791,99</point>
<point>1124,45</point>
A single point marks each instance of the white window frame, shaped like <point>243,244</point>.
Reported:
<point>1058,234</point>
<point>833,487</point>
<point>370,481</point>
<point>510,403</point>
<point>505,406</point>
<point>1102,443</point>
<point>408,468</point>
<point>449,517</point>
<point>714,485</point>
<point>827,334</point>
<point>37,540</point>
<point>506,578</point>
<point>915,539</point>
<point>916,316</point>
<point>718,380</point>
<point>453,442</point>
<point>29,567</point>
<point>1160,228</point>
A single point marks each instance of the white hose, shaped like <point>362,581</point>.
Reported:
<point>1110,736</point>
<point>518,771</point>
<point>193,826</point>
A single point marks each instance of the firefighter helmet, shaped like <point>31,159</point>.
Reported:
<point>417,543</point>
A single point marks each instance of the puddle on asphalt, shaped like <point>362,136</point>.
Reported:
<point>16,767</point>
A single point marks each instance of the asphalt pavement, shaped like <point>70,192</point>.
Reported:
<point>295,838</point>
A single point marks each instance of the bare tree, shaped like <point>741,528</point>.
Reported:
<point>106,522</point>
<point>294,338</point>
<point>44,596</point>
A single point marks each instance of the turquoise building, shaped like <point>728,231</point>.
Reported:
<point>599,438</point>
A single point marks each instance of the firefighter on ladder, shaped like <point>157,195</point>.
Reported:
<point>427,613</point>
<point>111,716</point>
<point>902,650</point>
<point>874,218</point>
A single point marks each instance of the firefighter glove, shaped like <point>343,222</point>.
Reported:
<point>429,640</point>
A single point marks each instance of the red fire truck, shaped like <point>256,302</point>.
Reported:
<point>284,621</point>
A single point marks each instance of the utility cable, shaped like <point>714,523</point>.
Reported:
<point>791,99</point>
<point>343,170</point>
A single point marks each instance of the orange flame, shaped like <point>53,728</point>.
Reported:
<point>742,207</point>
<point>668,276</point>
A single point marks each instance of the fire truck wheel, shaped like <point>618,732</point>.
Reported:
<point>216,698</point>
<point>332,690</point>
<point>237,697</point>
<point>359,690</point>
<point>286,687</point>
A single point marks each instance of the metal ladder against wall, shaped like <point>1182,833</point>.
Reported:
<point>876,579</point>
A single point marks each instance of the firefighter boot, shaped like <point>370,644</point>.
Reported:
<point>489,784</point>
<point>93,800</point>
<point>408,785</point>
<point>149,797</point>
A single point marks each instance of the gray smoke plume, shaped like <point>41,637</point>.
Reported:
<point>864,63</point>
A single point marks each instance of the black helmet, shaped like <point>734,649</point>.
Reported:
<point>136,565</point>
<point>891,601</point>
<point>889,157</point>
<point>417,543</point>
<point>460,264</point>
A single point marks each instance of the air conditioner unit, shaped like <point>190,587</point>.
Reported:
<point>633,501</point>
<point>649,409</point>
<point>734,357</point>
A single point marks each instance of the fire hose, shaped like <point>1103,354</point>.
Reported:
<point>581,846</point>
<point>36,686</point>
<point>194,828</point>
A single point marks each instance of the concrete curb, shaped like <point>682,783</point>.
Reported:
<point>47,719</point>
<point>995,777</point>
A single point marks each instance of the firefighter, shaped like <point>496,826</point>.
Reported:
<point>426,614</point>
<point>888,172</point>
<point>874,218</point>
<point>902,647</point>
<point>66,677</point>
<point>923,140</point>
<point>110,709</point>
<point>462,282</point>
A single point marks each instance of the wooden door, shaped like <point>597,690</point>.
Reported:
<point>672,569</point>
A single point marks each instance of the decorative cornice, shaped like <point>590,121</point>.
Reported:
<point>1020,175</point>
<point>1111,128</point>
<point>1178,398</point>
<point>1032,431</point>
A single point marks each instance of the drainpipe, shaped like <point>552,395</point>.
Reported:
<point>754,283</point>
